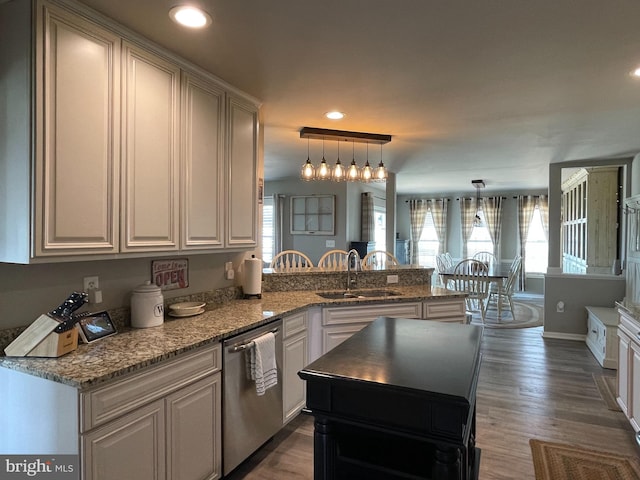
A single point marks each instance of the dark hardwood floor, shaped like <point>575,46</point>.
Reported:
<point>529,387</point>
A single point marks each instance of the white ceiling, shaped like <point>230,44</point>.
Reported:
<point>468,89</point>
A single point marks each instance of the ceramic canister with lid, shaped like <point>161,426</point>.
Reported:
<point>147,306</point>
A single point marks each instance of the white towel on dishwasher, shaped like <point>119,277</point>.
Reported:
<point>261,362</point>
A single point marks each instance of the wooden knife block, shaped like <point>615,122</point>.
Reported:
<point>39,340</point>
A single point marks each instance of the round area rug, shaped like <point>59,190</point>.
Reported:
<point>526,315</point>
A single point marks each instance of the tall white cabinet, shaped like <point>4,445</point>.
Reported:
<point>131,151</point>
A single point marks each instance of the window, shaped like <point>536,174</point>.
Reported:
<point>268,237</point>
<point>536,246</point>
<point>380,229</point>
<point>428,245</point>
<point>480,240</point>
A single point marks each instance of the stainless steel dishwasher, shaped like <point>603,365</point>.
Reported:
<point>249,420</point>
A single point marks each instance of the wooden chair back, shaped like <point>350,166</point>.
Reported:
<point>378,259</point>
<point>291,260</point>
<point>334,260</point>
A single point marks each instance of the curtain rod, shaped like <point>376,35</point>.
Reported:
<point>487,196</point>
<point>436,199</point>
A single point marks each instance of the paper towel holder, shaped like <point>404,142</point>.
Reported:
<point>253,292</point>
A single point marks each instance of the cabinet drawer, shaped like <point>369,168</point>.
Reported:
<point>453,308</point>
<point>294,324</point>
<point>119,397</point>
<point>342,315</point>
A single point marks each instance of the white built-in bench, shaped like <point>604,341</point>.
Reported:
<point>602,335</point>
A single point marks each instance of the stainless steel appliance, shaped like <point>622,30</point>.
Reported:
<point>249,420</point>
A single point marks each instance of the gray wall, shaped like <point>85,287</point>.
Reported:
<point>347,226</point>
<point>576,292</point>
<point>26,291</point>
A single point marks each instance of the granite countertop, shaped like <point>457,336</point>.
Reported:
<point>133,349</point>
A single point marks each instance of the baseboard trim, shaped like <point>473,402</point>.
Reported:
<point>565,336</point>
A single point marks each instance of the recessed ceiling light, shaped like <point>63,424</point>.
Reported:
<point>636,72</point>
<point>189,16</point>
<point>335,115</point>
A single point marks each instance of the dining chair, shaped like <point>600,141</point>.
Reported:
<point>291,260</point>
<point>334,260</point>
<point>504,292</point>
<point>444,262</point>
<point>472,277</point>
<point>377,259</point>
<point>486,257</point>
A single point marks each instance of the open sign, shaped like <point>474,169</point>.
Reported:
<point>170,274</point>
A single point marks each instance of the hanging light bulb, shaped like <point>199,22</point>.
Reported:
<point>308,172</point>
<point>323,172</point>
<point>338,172</point>
<point>380,174</point>
<point>367,171</point>
<point>353,173</point>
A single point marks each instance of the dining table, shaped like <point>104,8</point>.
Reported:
<point>497,274</point>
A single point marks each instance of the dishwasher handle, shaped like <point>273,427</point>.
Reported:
<point>240,347</point>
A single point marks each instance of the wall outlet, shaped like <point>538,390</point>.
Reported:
<point>230,274</point>
<point>392,278</point>
<point>560,307</point>
<point>228,266</point>
<point>90,283</point>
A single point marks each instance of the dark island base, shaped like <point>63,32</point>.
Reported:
<point>347,451</point>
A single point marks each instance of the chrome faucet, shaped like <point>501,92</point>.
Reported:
<point>353,253</point>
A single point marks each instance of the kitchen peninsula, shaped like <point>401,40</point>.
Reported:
<point>125,396</point>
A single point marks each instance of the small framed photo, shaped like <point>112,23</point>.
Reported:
<point>95,326</point>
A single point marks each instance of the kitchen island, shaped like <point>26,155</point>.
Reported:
<point>397,400</point>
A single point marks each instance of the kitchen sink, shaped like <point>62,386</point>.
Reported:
<point>338,294</point>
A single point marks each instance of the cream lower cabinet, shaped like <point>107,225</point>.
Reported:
<point>340,323</point>
<point>177,435</point>
<point>295,344</point>
<point>448,310</point>
<point>629,368</point>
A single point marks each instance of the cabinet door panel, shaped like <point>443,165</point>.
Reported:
<point>202,126</point>
<point>194,431</point>
<point>150,155</point>
<point>242,144</point>
<point>623,372</point>
<point>293,389</point>
<point>633,411</point>
<point>132,447</point>
<point>77,136</point>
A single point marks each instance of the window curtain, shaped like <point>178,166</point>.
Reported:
<point>367,219</point>
<point>468,209</point>
<point>543,206</point>
<point>492,208</point>
<point>526,207</point>
<point>438,209</point>
<point>278,219</point>
<point>417,216</point>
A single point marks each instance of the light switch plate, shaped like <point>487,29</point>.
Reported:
<point>330,244</point>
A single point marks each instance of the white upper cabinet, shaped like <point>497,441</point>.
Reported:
<point>203,105</point>
<point>112,145</point>
<point>150,171</point>
<point>242,147</point>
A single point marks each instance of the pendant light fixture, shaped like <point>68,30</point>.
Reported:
<point>367,171</point>
<point>308,171</point>
<point>324,171</point>
<point>353,173</point>
<point>477,221</point>
<point>338,173</point>
<point>380,174</point>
